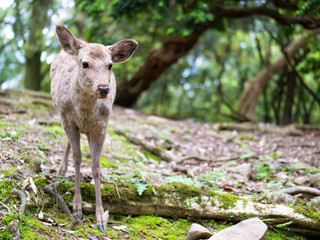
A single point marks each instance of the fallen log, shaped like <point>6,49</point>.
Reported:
<point>181,200</point>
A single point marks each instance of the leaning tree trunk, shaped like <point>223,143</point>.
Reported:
<point>155,64</point>
<point>254,87</point>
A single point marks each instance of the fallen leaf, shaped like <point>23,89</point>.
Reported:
<point>40,215</point>
<point>33,186</point>
<point>123,227</point>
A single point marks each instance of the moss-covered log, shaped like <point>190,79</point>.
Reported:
<point>180,200</point>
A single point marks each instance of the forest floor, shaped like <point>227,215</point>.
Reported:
<point>253,160</point>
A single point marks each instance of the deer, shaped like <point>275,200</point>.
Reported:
<point>83,89</point>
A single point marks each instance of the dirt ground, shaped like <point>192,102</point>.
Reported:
<point>242,159</point>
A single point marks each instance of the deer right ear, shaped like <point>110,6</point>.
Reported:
<point>68,42</point>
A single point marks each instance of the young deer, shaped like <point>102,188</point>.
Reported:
<point>83,89</point>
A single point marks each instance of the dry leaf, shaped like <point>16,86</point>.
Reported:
<point>33,186</point>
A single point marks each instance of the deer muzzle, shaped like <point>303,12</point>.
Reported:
<point>103,91</point>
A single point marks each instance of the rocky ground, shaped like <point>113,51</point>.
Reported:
<point>263,162</point>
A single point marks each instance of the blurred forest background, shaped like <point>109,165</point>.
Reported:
<point>207,60</point>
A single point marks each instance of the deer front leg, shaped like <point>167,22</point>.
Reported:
<point>96,144</point>
<point>74,138</point>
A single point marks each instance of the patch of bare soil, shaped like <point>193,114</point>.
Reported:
<point>243,159</point>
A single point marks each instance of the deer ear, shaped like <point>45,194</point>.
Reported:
<point>121,51</point>
<point>68,42</point>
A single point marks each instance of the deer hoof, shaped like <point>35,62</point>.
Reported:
<point>102,227</point>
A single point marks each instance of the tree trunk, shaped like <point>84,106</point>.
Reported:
<point>287,112</point>
<point>253,88</point>
<point>35,43</point>
<point>33,71</point>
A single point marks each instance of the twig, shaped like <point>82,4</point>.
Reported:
<point>117,191</point>
<point>5,207</point>
<point>307,145</point>
<point>147,146</point>
<point>223,159</point>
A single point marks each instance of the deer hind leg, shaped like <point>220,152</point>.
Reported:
<point>96,144</point>
<point>73,135</point>
<point>64,163</point>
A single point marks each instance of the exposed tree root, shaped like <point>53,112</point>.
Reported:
<point>14,224</point>
<point>289,130</point>
<point>22,197</point>
<point>147,146</point>
<point>302,189</point>
<point>166,156</point>
<point>53,192</point>
<point>180,200</point>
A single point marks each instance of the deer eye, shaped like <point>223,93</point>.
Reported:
<point>85,65</point>
<point>110,66</point>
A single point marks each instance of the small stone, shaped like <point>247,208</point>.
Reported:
<point>315,179</point>
<point>250,229</point>
<point>302,181</point>
<point>14,228</point>
<point>282,198</point>
<point>242,172</point>
<point>35,165</point>
<point>197,231</point>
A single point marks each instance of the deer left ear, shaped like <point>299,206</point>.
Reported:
<point>121,51</point>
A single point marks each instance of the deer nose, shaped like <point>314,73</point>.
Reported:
<point>103,90</point>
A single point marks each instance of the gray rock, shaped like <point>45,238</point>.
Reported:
<point>315,179</point>
<point>250,229</point>
<point>282,198</point>
<point>303,181</point>
<point>197,231</point>
<point>241,172</point>
<point>35,165</point>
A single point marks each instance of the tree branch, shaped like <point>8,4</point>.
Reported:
<point>175,48</point>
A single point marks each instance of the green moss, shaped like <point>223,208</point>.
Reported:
<point>30,228</point>
<point>5,234</point>
<point>65,187</point>
<point>308,211</point>
<point>107,164</point>
<point>8,172</point>
<point>150,155</point>
<point>41,182</point>
<point>55,130</point>
<point>227,200</point>
<point>5,188</point>
<point>284,235</point>
<point>146,227</point>
<point>8,218</point>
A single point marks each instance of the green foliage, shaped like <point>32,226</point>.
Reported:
<point>107,164</point>
<point>184,180</point>
<point>141,187</point>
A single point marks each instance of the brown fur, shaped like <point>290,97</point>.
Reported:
<point>81,107</point>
